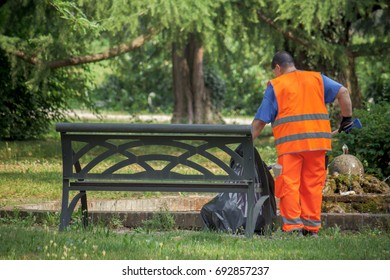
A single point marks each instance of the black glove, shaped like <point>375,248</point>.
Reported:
<point>346,124</point>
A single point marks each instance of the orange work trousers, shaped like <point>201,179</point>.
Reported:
<point>299,188</point>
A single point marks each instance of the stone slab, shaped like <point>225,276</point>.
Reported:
<point>192,220</point>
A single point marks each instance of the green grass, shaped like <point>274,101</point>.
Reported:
<point>101,243</point>
<point>31,172</point>
<point>37,238</point>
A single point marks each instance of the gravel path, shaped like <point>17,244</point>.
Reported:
<point>85,115</point>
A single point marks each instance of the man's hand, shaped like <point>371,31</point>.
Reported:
<point>346,124</point>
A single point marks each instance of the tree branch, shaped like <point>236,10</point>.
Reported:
<point>22,55</point>
<point>287,34</point>
<point>78,60</point>
<point>113,52</point>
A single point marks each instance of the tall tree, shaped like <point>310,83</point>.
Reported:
<point>58,34</point>
<point>336,32</point>
<point>61,34</point>
<point>32,95</point>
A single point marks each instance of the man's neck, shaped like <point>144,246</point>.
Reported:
<point>289,69</point>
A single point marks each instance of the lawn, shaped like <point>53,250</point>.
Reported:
<point>31,172</point>
<point>21,242</point>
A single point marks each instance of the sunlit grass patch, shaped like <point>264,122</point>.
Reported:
<point>102,243</point>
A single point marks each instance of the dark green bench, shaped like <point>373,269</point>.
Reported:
<point>154,157</point>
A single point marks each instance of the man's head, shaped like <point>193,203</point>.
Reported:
<point>282,63</point>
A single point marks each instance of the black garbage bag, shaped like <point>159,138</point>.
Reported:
<point>228,211</point>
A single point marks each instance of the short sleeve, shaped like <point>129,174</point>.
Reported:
<point>269,107</point>
<point>331,88</point>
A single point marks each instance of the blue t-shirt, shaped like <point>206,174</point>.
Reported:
<point>269,107</point>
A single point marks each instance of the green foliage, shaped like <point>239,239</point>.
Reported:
<point>29,219</point>
<point>374,77</point>
<point>26,111</point>
<point>217,86</point>
<point>74,16</point>
<point>245,84</point>
<point>137,77</point>
<point>371,144</point>
<point>112,95</point>
<point>379,89</point>
<point>23,114</point>
<point>336,32</point>
<point>237,44</point>
<point>161,221</point>
<point>33,96</point>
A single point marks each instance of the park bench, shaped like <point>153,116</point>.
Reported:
<point>154,157</point>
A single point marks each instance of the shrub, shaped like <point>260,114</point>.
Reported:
<point>29,104</point>
<point>161,221</point>
<point>21,115</point>
<point>371,144</point>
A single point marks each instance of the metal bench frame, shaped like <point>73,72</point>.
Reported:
<point>81,177</point>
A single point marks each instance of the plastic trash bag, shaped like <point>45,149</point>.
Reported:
<point>228,211</point>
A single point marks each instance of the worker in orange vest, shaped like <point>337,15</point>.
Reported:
<point>294,104</point>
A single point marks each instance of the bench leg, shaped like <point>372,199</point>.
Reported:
<point>64,217</point>
<point>84,207</point>
<point>68,208</point>
<point>250,226</point>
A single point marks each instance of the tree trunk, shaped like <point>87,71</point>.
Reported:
<point>349,79</point>
<point>352,83</point>
<point>198,86</point>
<point>192,102</point>
<point>183,111</point>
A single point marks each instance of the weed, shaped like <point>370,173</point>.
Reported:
<point>115,222</point>
<point>19,218</point>
<point>160,221</point>
<point>50,219</point>
<point>331,231</point>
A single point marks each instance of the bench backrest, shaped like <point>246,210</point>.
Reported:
<point>155,152</point>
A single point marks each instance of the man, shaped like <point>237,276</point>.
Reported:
<point>294,104</point>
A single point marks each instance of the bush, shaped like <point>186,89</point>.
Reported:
<point>21,115</point>
<point>371,144</point>
<point>29,105</point>
<point>217,85</point>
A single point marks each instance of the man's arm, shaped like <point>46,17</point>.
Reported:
<point>345,104</point>
<point>257,127</point>
<point>344,100</point>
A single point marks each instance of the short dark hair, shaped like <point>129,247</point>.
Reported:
<point>282,58</point>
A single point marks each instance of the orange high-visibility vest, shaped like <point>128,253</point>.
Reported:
<point>302,122</point>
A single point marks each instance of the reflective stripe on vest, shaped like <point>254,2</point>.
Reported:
<point>305,117</point>
<point>302,122</point>
<point>309,135</point>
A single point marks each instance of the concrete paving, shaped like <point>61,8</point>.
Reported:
<point>186,211</point>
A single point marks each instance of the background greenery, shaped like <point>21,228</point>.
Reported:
<point>346,40</point>
<point>371,144</point>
